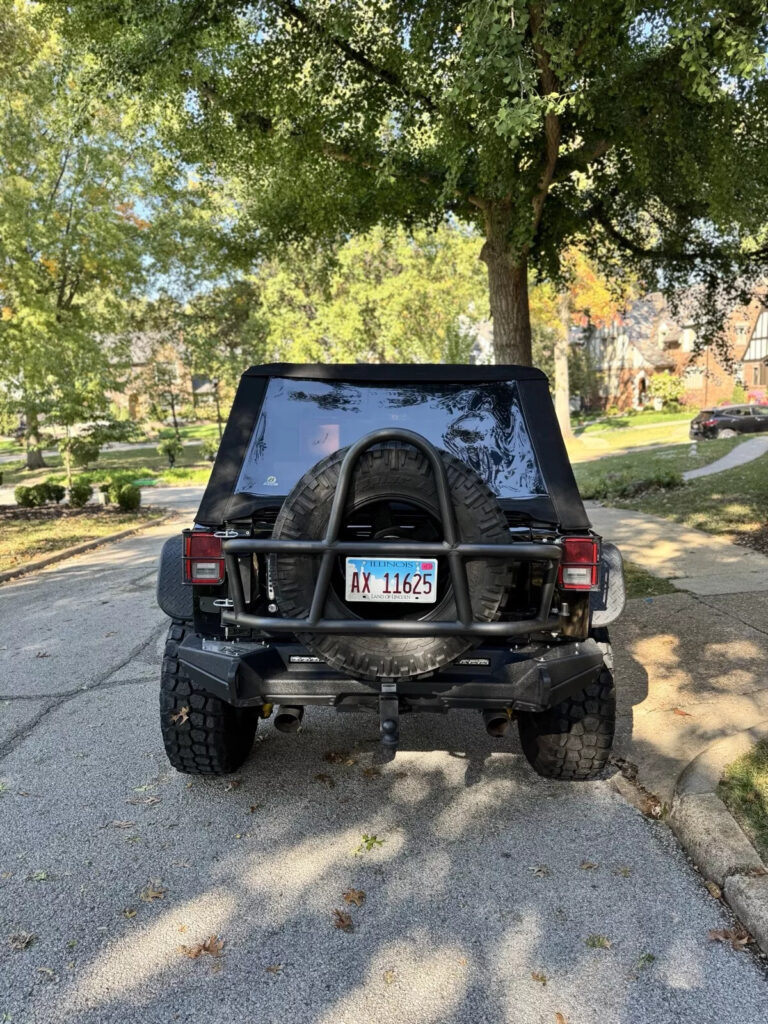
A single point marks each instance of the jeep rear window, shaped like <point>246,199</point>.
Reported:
<point>302,421</point>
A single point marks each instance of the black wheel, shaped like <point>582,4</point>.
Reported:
<point>393,496</point>
<point>573,739</point>
<point>203,735</point>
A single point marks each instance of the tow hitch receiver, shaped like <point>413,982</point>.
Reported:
<point>389,721</point>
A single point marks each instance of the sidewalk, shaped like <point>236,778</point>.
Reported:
<point>690,667</point>
<point>745,452</point>
<point>695,561</point>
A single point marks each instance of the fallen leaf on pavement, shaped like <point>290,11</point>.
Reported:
<point>213,945</point>
<point>335,756</point>
<point>683,714</point>
<point>42,654</point>
<point>598,942</point>
<point>738,936</point>
<point>356,896</point>
<point>560,1019</point>
<point>181,716</point>
<point>624,871</point>
<point>121,824</point>
<point>540,871</point>
<point>538,976</point>
<point>48,972</point>
<point>22,940</point>
<point>714,890</point>
<point>587,865</point>
<point>129,912</point>
<point>153,891</point>
<point>371,772</point>
<point>37,876</point>
<point>232,784</point>
<point>322,777</point>
<point>389,977</point>
<point>274,969</point>
<point>342,920</point>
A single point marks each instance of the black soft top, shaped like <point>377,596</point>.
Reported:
<point>558,502</point>
<point>397,373</point>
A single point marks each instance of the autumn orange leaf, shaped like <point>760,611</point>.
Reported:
<point>342,920</point>
<point>356,896</point>
<point>213,946</point>
<point>683,714</point>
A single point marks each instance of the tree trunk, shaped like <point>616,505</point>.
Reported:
<point>173,416</point>
<point>507,288</point>
<point>35,458</point>
<point>562,383</point>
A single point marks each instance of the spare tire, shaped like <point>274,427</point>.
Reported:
<point>393,496</point>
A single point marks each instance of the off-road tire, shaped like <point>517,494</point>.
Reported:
<point>391,471</point>
<point>573,739</point>
<point>215,738</point>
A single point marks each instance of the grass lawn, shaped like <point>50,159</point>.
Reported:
<point>640,583</point>
<point>637,420</point>
<point>593,445</point>
<point>190,467</point>
<point>734,502</point>
<point>744,789</point>
<point>38,532</point>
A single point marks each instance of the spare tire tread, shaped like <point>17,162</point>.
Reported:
<point>304,515</point>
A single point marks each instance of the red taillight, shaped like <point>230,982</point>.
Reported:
<point>578,566</point>
<point>709,423</point>
<point>203,560</point>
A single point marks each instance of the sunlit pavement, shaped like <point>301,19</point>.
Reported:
<point>493,897</point>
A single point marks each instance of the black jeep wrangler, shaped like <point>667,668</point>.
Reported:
<point>392,538</point>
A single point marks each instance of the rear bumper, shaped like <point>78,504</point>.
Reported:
<point>529,678</point>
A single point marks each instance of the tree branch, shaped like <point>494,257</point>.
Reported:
<point>549,85</point>
<point>383,74</point>
<point>580,159</point>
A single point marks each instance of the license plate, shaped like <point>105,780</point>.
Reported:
<point>391,579</point>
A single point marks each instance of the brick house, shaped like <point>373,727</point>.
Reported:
<point>646,340</point>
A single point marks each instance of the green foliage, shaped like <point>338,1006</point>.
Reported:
<point>39,494</point>
<point>540,123</point>
<point>626,484</point>
<point>24,496</point>
<point>739,394</point>
<point>208,450</point>
<point>128,498</point>
<point>668,387</point>
<point>171,449</point>
<point>80,492</point>
<point>83,451</point>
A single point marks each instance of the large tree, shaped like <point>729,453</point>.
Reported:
<point>91,208</point>
<point>639,126</point>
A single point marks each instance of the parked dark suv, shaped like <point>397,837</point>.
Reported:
<point>729,420</point>
<point>391,539</point>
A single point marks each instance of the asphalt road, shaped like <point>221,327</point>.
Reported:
<point>488,899</point>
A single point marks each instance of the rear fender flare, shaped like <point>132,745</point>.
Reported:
<point>173,596</point>
<point>608,602</point>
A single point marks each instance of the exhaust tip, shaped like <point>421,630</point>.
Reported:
<point>288,719</point>
<point>496,722</point>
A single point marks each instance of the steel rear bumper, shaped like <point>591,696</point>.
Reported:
<point>531,678</point>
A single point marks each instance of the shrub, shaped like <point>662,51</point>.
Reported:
<point>209,449</point>
<point>80,493</point>
<point>171,448</point>
<point>25,497</point>
<point>39,494</point>
<point>627,485</point>
<point>128,498</point>
<point>668,387</point>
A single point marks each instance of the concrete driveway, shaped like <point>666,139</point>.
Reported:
<point>493,897</point>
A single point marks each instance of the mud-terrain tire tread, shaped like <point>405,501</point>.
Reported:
<point>573,739</point>
<point>480,520</point>
<point>217,737</point>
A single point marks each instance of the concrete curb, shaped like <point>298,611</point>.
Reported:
<point>713,839</point>
<point>77,549</point>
